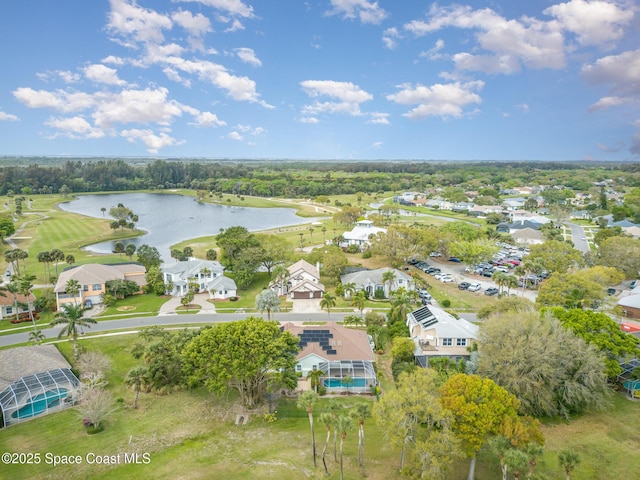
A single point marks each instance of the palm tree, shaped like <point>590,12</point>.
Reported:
<point>36,337</point>
<point>45,258</point>
<point>359,301</point>
<point>533,451</point>
<point>400,307</point>
<point>118,247</point>
<point>387,278</point>
<point>335,407</point>
<point>517,461</point>
<point>346,381</point>
<point>306,401</point>
<point>137,377</point>
<point>349,289</point>
<point>13,288</point>
<point>569,460</point>
<point>25,287</point>
<point>324,234</point>
<point>314,378</point>
<point>57,256</point>
<point>327,303</point>
<point>70,259</point>
<point>343,424</point>
<point>361,412</point>
<point>71,316</point>
<point>279,274</point>
<point>130,250</point>
<point>72,287</point>
<point>327,420</point>
<point>269,301</point>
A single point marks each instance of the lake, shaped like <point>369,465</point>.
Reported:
<point>169,219</point>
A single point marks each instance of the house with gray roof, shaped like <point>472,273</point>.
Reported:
<point>360,234</point>
<point>372,280</point>
<point>204,275</point>
<point>437,333</point>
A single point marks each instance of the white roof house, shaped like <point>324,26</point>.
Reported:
<point>371,280</point>
<point>437,333</point>
<point>207,274</point>
<point>361,233</point>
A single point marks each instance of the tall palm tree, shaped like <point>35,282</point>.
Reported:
<point>137,377</point>
<point>361,412</point>
<point>130,250</point>
<point>71,316</point>
<point>72,287</point>
<point>387,278</point>
<point>327,420</point>
<point>359,300</point>
<point>119,248</point>
<point>13,288</point>
<point>343,425</point>
<point>279,274</point>
<point>57,256</point>
<point>400,307</point>
<point>45,258</point>
<point>306,401</point>
<point>569,460</point>
<point>314,378</point>
<point>25,287</point>
<point>349,289</point>
<point>327,303</point>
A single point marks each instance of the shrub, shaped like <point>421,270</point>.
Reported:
<point>367,254</point>
<point>233,299</point>
<point>446,303</point>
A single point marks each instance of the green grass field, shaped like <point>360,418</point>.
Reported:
<point>192,435</point>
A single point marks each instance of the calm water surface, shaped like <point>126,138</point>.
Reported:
<point>170,219</point>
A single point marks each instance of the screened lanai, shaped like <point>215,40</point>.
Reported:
<point>34,381</point>
<point>38,394</point>
<point>361,373</point>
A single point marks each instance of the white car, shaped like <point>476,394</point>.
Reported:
<point>474,287</point>
<point>446,279</point>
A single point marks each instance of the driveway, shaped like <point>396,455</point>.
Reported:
<point>579,238</point>
<point>306,305</point>
<point>169,307</point>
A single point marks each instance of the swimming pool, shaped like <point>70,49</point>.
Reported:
<point>337,382</point>
<point>40,403</point>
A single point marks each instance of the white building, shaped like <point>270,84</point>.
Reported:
<point>372,280</point>
<point>361,233</point>
<point>208,275</point>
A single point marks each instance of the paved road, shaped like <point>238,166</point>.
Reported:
<point>136,323</point>
<point>579,238</point>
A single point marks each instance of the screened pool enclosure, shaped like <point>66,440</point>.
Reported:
<point>38,394</point>
<point>356,376</point>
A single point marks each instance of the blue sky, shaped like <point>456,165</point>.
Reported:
<point>322,79</point>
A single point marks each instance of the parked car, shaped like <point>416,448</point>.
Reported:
<point>474,287</point>
<point>88,304</point>
<point>611,291</point>
<point>446,279</point>
<point>455,259</point>
<point>501,268</point>
<point>434,271</point>
<point>634,284</point>
<point>487,272</point>
<point>435,254</point>
<point>491,291</point>
<point>464,285</point>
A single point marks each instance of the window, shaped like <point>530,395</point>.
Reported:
<point>447,342</point>
<point>96,287</point>
<point>9,310</point>
<point>298,368</point>
<point>85,288</point>
<point>461,342</point>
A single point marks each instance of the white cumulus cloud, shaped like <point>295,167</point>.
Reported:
<point>346,97</point>
<point>441,100</point>
<point>364,10</point>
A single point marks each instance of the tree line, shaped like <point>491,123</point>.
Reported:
<point>296,179</point>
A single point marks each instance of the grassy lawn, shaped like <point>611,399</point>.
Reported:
<point>135,306</point>
<point>46,227</point>
<point>191,434</point>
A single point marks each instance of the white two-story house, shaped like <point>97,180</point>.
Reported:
<point>203,275</point>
